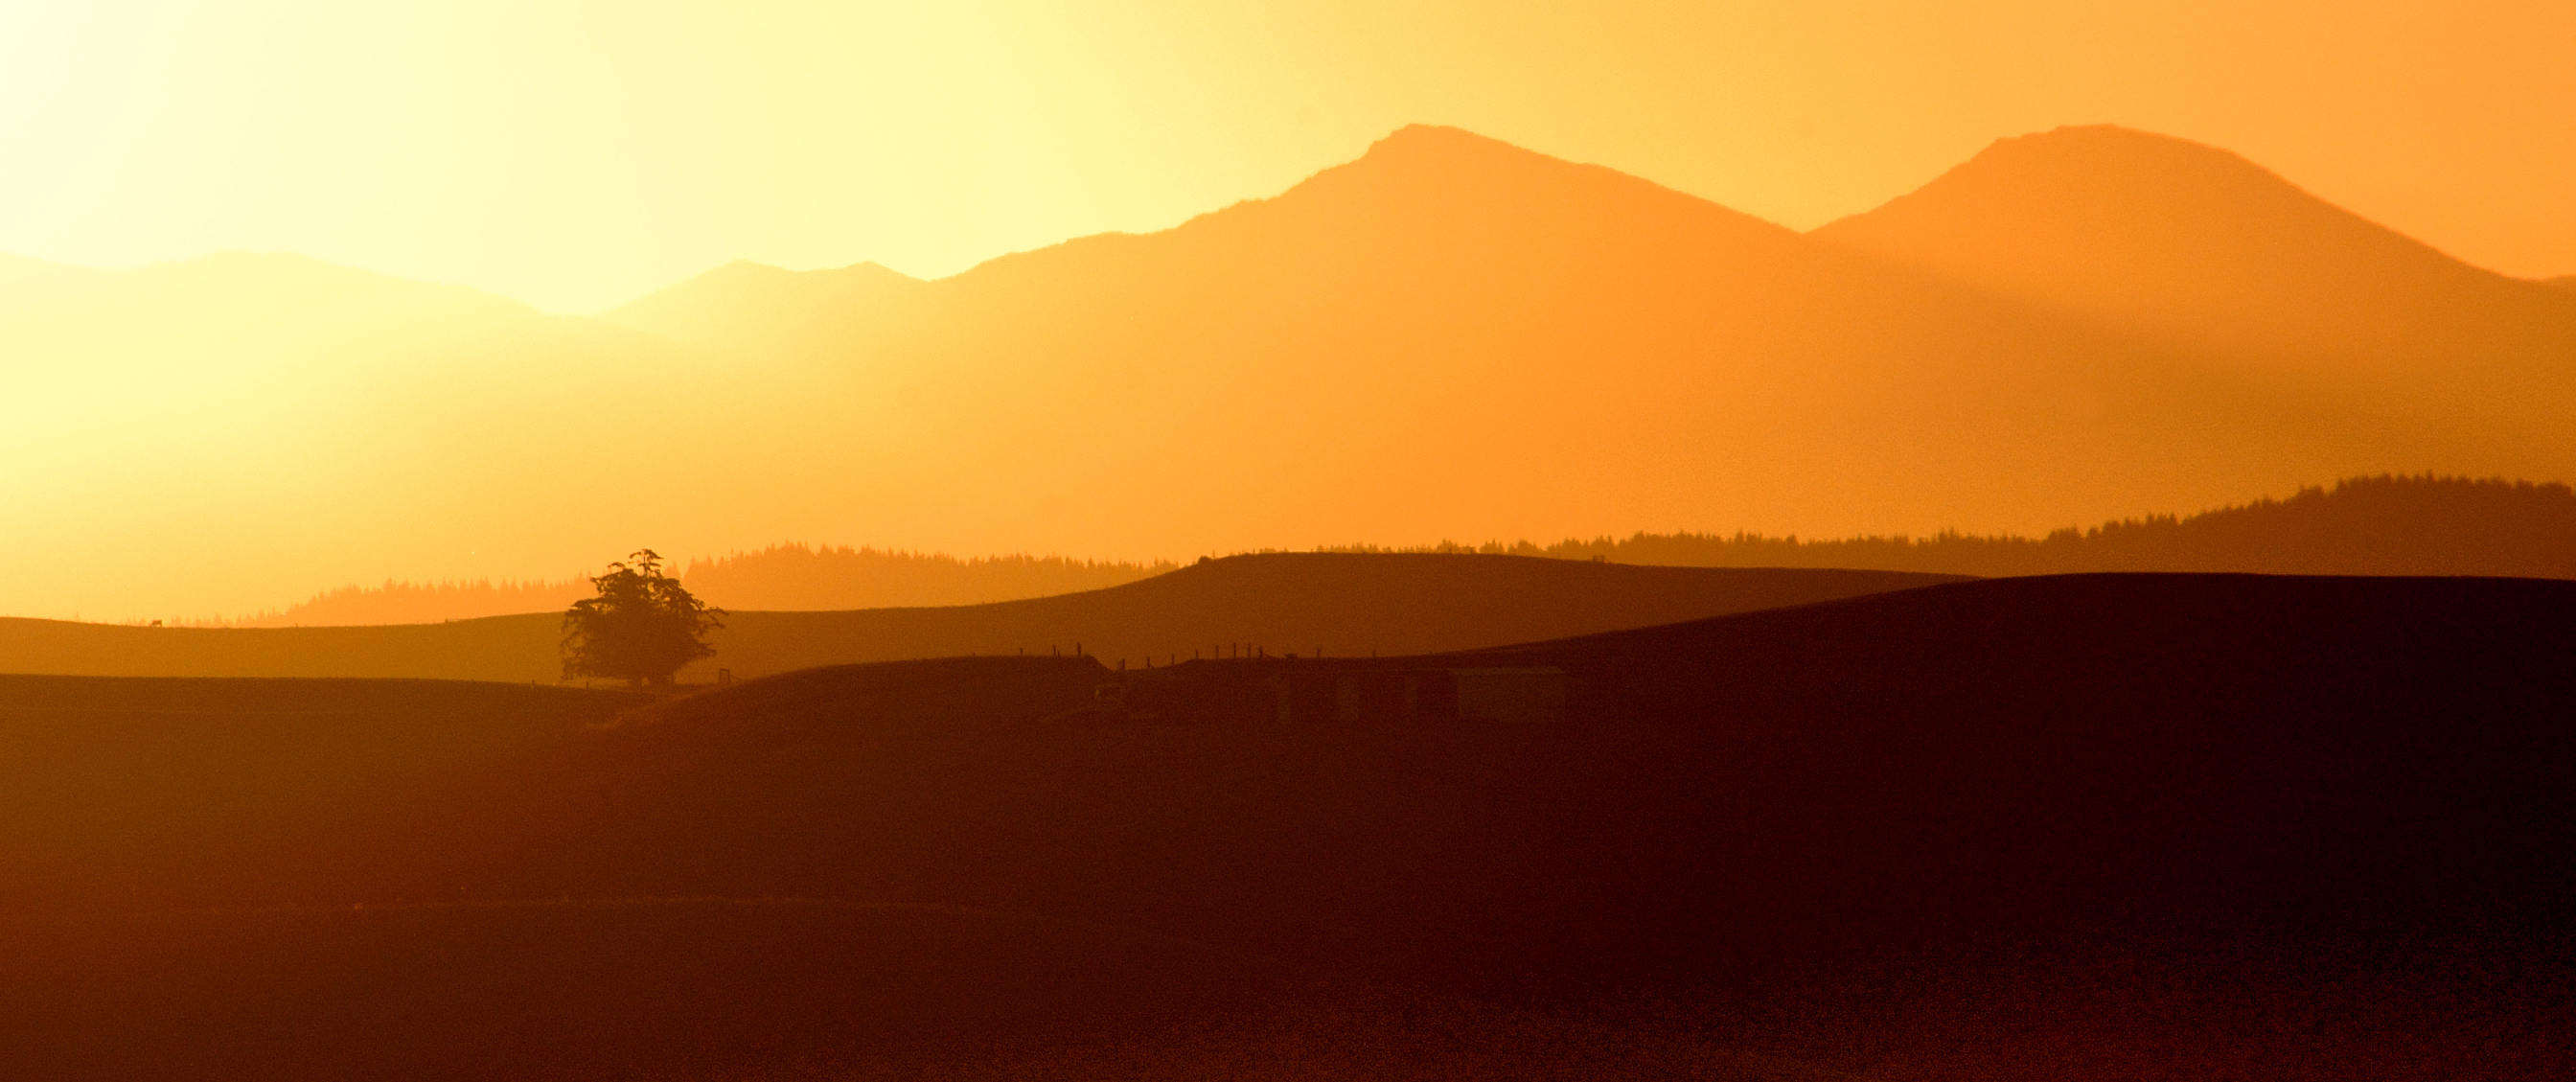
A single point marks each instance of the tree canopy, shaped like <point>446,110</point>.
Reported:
<point>641,628</point>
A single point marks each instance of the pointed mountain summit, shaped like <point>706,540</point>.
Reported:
<point>1426,212</point>
<point>2197,243</point>
<point>1425,177</point>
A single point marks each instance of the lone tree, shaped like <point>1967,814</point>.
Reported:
<point>641,628</point>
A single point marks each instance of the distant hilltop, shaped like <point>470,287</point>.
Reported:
<point>781,578</point>
<point>787,577</point>
<point>2384,525</point>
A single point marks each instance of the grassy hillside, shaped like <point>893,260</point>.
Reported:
<point>1279,602</point>
<point>2120,826</point>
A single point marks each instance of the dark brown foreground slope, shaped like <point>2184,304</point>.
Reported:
<point>1344,603</point>
<point>2114,826</point>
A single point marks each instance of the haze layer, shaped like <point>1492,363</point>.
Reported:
<point>1447,337</point>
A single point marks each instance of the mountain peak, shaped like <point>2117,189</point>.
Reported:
<point>2072,144</point>
<point>2187,238</point>
<point>1465,157</point>
<point>1437,138</point>
<point>1421,173</point>
<point>2099,177</point>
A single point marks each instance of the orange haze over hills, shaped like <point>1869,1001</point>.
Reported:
<point>2203,247</point>
<point>1447,337</point>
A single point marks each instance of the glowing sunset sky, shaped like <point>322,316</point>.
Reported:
<point>578,154</point>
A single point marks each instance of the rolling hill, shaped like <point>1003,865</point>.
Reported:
<point>2111,826</point>
<point>1281,602</point>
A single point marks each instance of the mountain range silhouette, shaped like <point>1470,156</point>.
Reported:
<point>1448,336</point>
<point>2201,246</point>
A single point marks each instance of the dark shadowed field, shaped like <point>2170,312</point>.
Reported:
<point>2115,826</point>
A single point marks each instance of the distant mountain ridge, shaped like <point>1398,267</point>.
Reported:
<point>1448,335</point>
<point>2198,244</point>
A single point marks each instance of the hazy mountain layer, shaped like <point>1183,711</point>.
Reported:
<point>229,433</point>
<point>1448,336</point>
<point>2203,247</point>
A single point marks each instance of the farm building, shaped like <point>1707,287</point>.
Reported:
<point>1519,695</point>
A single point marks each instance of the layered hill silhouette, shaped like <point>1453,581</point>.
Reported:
<point>415,603</point>
<point>780,577</point>
<point>2113,826</point>
<point>2361,526</point>
<point>1447,335</point>
<point>1274,603</point>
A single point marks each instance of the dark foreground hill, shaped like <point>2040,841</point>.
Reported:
<point>2115,826</point>
<point>1281,602</point>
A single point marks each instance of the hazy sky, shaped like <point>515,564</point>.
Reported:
<point>577,154</point>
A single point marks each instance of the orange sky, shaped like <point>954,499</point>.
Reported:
<point>577,154</point>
